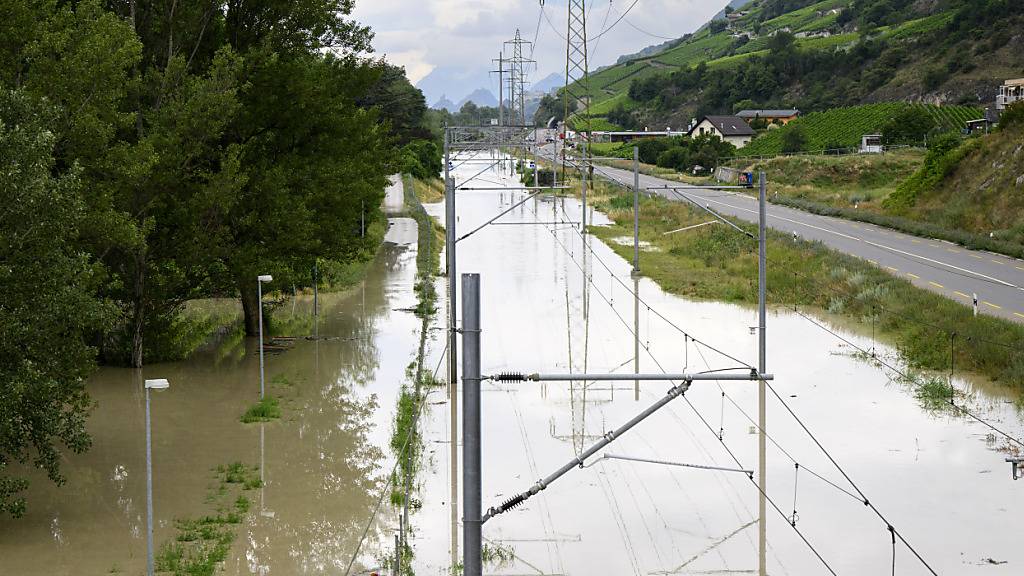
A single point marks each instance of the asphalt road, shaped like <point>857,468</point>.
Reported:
<point>942,267</point>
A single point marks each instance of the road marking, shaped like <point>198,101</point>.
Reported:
<point>996,306</point>
<point>1018,314</point>
<point>872,261</point>
<point>914,276</point>
<point>1019,267</point>
<point>893,269</point>
<point>868,242</point>
<point>934,245</point>
<point>998,262</point>
<point>953,250</point>
<point>936,284</point>
<point>958,293</point>
<point>976,256</point>
<point>915,240</point>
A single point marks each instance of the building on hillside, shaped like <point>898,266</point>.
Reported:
<point>871,144</point>
<point>731,129</point>
<point>781,116</point>
<point>1011,91</point>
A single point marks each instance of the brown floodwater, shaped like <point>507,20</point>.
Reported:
<point>941,480</point>
<point>322,462</point>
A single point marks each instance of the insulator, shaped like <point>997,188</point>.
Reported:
<point>512,502</point>
<point>510,377</point>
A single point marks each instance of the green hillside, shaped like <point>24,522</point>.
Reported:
<point>817,55</point>
<point>844,127</point>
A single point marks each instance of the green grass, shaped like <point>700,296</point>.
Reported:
<point>202,544</point>
<point>265,410</point>
<point>716,263</point>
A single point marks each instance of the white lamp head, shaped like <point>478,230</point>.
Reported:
<point>265,278</point>
<point>158,384</point>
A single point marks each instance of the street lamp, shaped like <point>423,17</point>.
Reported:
<point>158,384</point>
<point>259,291</point>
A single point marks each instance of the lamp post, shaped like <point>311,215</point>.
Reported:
<point>159,384</point>
<point>259,291</point>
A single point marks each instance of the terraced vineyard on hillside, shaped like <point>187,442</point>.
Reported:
<point>844,127</point>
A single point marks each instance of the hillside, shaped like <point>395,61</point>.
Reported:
<point>842,128</point>
<point>816,55</point>
<point>984,190</point>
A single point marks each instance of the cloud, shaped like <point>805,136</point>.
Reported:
<point>465,35</point>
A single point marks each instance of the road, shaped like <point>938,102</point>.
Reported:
<point>942,267</point>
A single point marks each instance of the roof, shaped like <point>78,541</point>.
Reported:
<point>767,113</point>
<point>1017,82</point>
<point>728,125</point>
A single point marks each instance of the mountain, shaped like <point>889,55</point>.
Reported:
<point>552,81</point>
<point>445,104</point>
<point>455,83</point>
<point>480,97</point>
<point>819,54</point>
<point>734,4</point>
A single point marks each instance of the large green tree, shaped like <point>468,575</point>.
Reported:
<point>49,309</point>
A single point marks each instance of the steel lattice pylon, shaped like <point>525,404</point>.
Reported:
<point>576,96</point>
<point>517,79</point>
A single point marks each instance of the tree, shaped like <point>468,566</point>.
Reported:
<point>794,139</point>
<point>50,309</point>
<point>398,102</point>
<point>910,126</point>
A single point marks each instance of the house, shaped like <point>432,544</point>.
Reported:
<point>979,126</point>
<point>781,116</point>
<point>731,129</point>
<point>1011,91</point>
<point>871,144</point>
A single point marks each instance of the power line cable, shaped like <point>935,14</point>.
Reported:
<point>610,28</point>
<point>699,415</point>
<point>642,31</point>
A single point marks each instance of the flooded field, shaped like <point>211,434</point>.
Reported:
<point>549,305</point>
<point>939,479</point>
<point>322,462</point>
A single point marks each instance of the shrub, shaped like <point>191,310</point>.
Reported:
<point>794,140</point>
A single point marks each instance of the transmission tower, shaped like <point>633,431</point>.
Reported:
<point>517,78</point>
<point>576,96</point>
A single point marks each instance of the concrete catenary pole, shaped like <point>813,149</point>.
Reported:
<point>636,210</point>
<point>453,371</point>
<point>471,484</point>
<point>636,270</point>
<point>762,472</point>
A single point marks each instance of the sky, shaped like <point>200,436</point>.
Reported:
<point>462,36</point>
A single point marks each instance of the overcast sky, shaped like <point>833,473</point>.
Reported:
<point>464,35</point>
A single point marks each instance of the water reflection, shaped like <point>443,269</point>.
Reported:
<point>321,464</point>
<point>550,306</point>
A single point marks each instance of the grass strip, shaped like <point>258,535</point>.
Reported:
<point>717,263</point>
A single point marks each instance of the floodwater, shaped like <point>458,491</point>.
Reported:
<point>322,462</point>
<point>940,480</point>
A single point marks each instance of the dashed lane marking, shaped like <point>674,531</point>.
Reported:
<point>1018,314</point>
<point>978,257</point>
<point>953,250</point>
<point>958,293</point>
<point>936,284</point>
<point>998,262</point>
<point>996,306</point>
<point>914,276</point>
<point>893,269</point>
<point>915,240</point>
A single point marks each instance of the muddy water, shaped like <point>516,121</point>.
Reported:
<point>322,462</point>
<point>939,479</point>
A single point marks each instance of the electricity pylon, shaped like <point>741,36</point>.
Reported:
<point>576,96</point>
<point>517,79</point>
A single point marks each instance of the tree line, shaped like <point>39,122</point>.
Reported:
<point>158,151</point>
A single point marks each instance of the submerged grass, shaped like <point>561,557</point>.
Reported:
<point>268,408</point>
<point>202,544</point>
<point>717,263</point>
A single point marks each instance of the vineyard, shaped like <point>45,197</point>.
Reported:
<point>844,127</point>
